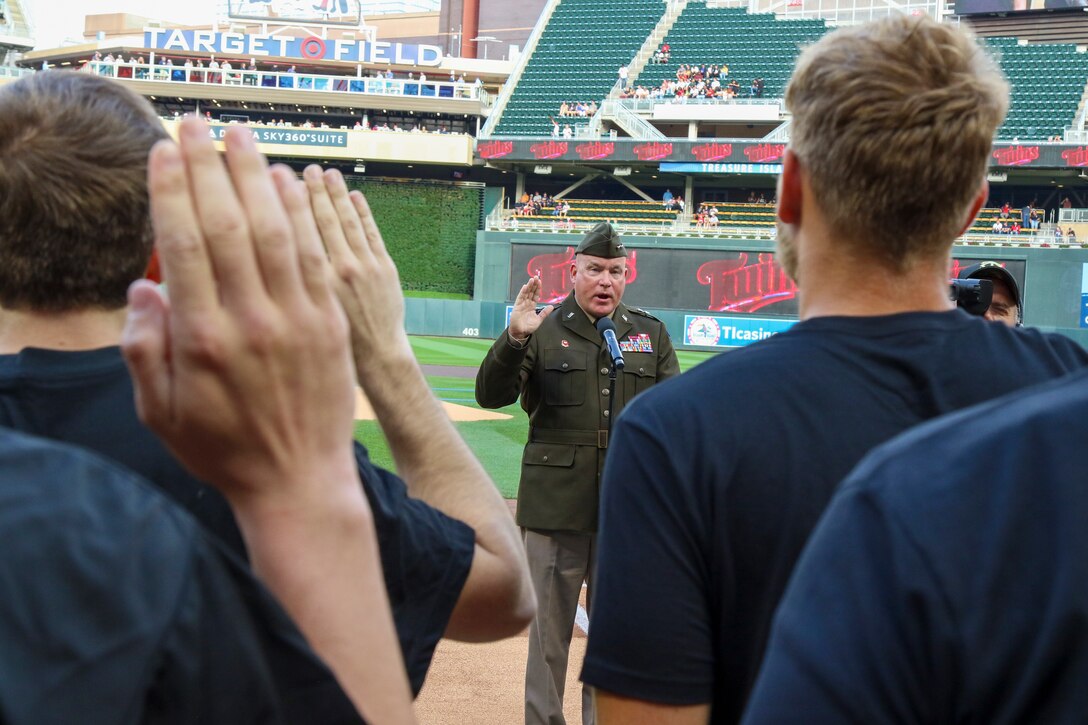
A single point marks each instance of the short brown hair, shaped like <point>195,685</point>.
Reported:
<point>894,121</point>
<point>75,228</point>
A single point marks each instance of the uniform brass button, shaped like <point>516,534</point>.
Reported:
<point>606,414</point>
<point>604,371</point>
<point>545,459</point>
<point>642,371</point>
<point>565,366</point>
<point>604,392</point>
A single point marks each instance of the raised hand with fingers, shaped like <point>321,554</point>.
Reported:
<point>524,318</point>
<point>436,465</point>
<point>365,277</point>
<point>246,373</point>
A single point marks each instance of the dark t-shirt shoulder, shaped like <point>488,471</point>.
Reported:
<point>731,465</point>
<point>116,603</point>
<point>949,565</point>
<point>85,398</point>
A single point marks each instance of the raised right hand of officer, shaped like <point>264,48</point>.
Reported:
<point>524,319</point>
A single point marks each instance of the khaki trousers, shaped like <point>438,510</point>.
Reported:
<point>559,561</point>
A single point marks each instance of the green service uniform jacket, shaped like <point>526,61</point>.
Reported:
<point>561,375</point>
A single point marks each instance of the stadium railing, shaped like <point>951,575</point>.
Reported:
<point>292,81</point>
<point>12,72</point>
<point>1041,239</point>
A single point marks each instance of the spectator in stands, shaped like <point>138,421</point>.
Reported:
<point>696,550</point>
<point>1066,203</point>
<point>666,198</point>
<point>555,126</point>
<point>998,227</point>
<point>622,73</point>
<point>568,132</point>
<point>564,109</point>
<point>1058,232</point>
<point>1005,210</point>
<point>61,315</point>
<point>1071,235</point>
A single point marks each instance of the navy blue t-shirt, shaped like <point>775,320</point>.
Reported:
<point>715,480</point>
<point>118,608</point>
<point>948,581</point>
<point>85,398</point>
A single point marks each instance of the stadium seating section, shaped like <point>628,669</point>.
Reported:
<point>752,45</point>
<point>586,210</point>
<point>587,40</point>
<point>742,216</point>
<point>576,59</point>
<point>1047,83</point>
<point>653,212</point>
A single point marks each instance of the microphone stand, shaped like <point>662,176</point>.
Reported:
<point>611,393</point>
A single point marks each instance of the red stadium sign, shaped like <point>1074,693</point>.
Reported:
<point>1016,155</point>
<point>765,152</point>
<point>595,150</point>
<point>494,149</point>
<point>736,286</point>
<point>1075,157</point>
<point>548,150</point>
<point>712,151</point>
<point>653,151</point>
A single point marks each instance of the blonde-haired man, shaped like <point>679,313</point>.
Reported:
<point>715,480</point>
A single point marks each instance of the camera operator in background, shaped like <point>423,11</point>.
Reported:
<point>1005,304</point>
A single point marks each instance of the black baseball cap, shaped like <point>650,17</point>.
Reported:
<point>994,271</point>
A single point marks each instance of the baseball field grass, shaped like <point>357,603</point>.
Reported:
<point>497,443</point>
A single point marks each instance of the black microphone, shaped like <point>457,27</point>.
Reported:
<point>607,328</point>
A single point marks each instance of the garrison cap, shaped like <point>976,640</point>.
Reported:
<point>602,241</point>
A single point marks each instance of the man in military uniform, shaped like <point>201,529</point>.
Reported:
<point>554,359</point>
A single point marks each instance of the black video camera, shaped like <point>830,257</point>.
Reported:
<point>973,295</point>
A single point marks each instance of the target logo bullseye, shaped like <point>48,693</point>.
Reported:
<point>313,48</point>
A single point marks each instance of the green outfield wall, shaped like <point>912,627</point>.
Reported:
<point>429,230</point>
<point>719,294</point>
